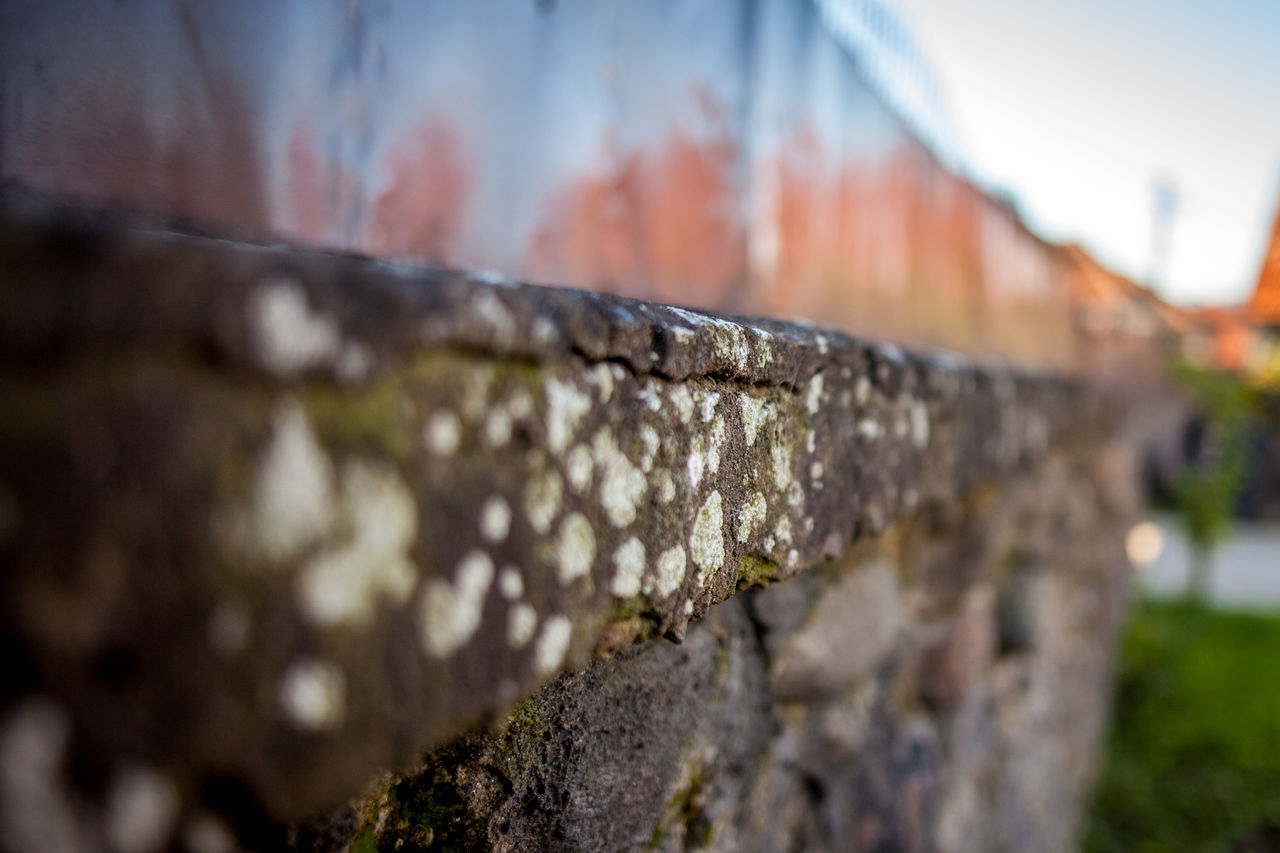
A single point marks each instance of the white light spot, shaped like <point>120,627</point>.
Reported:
<point>141,810</point>
<point>823,343</point>
<point>753,416</point>
<point>622,485</point>
<point>287,335</point>
<point>495,519</point>
<point>1143,543</point>
<point>442,433</point>
<point>510,583</point>
<point>552,644</point>
<point>578,468</point>
<point>869,429</point>
<point>706,544</point>
<point>628,563</point>
<point>313,694</point>
<point>576,550</point>
<point>862,391</point>
<point>688,608</point>
<point>542,500</point>
<point>751,515</point>
<point>811,440</point>
<point>566,406</point>
<point>343,583</point>
<point>522,621</point>
<point>670,570</point>
<point>815,471</point>
<point>449,614</point>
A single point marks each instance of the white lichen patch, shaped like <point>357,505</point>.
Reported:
<point>816,470</point>
<point>497,427</point>
<point>545,332</point>
<point>862,391</point>
<point>714,445</point>
<point>752,515</point>
<point>490,311</point>
<point>288,337</point>
<point>510,583</point>
<point>495,519</point>
<point>823,344</point>
<point>919,424</point>
<point>542,500</point>
<point>575,548</point>
<point>622,485</point>
<point>682,401</point>
<point>628,568</point>
<point>669,570</point>
<point>313,694</point>
<point>522,621</point>
<point>578,468</point>
<point>566,406</point>
<point>813,396</point>
<point>450,613</point>
<point>293,503</point>
<point>141,809</point>
<point>870,429</point>
<point>603,378</point>
<point>706,542</point>
<point>650,395</point>
<point>442,433</point>
<point>552,644</point>
<point>342,584</point>
<point>666,487</point>
<point>764,348</point>
<point>697,460</point>
<point>781,456</point>
<point>783,531</point>
<point>810,440</point>
<point>754,413</point>
<point>707,402</point>
<point>649,444</point>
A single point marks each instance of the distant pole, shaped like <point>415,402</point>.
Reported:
<point>1164,206</point>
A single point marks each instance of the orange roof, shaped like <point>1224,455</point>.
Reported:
<point>1265,304</point>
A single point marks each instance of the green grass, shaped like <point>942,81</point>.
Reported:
<point>1194,751</point>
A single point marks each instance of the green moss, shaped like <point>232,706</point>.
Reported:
<point>366,841</point>
<point>755,571</point>
<point>366,420</point>
<point>685,809</point>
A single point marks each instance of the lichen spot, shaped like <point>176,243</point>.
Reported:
<point>287,335</point>
<point>649,443</point>
<point>575,549</point>
<point>697,460</point>
<point>781,454</point>
<point>648,394</point>
<point>666,487</point>
<point>491,312</point>
<point>628,565</point>
<point>542,500</point>
<point>522,621</point>
<point>706,543</point>
<point>603,378</point>
<point>919,424</point>
<point>293,501</point>
<point>566,406</point>
<point>141,809</point>
<point>510,583</point>
<point>343,583</point>
<point>497,427</point>
<point>751,515</point>
<point>707,402</point>
<point>313,694</point>
<point>622,485</point>
<point>442,433</point>
<point>764,349</point>
<point>682,401</point>
<point>670,570</point>
<point>753,416</point>
<point>553,643</point>
<point>870,429</point>
<point>713,446</point>
<point>495,519</point>
<point>449,613</point>
<point>813,399</point>
<point>578,468</point>
<point>862,391</point>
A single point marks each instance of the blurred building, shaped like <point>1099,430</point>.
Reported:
<point>1264,310</point>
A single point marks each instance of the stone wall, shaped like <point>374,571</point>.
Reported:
<point>276,522</point>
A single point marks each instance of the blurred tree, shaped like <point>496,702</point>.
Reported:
<point>1207,490</point>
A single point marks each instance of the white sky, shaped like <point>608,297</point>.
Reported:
<point>1079,105</point>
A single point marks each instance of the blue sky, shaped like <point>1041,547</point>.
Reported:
<point>1078,106</point>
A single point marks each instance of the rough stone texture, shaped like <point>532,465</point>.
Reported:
<point>274,521</point>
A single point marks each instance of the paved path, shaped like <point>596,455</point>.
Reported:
<point>1246,568</point>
